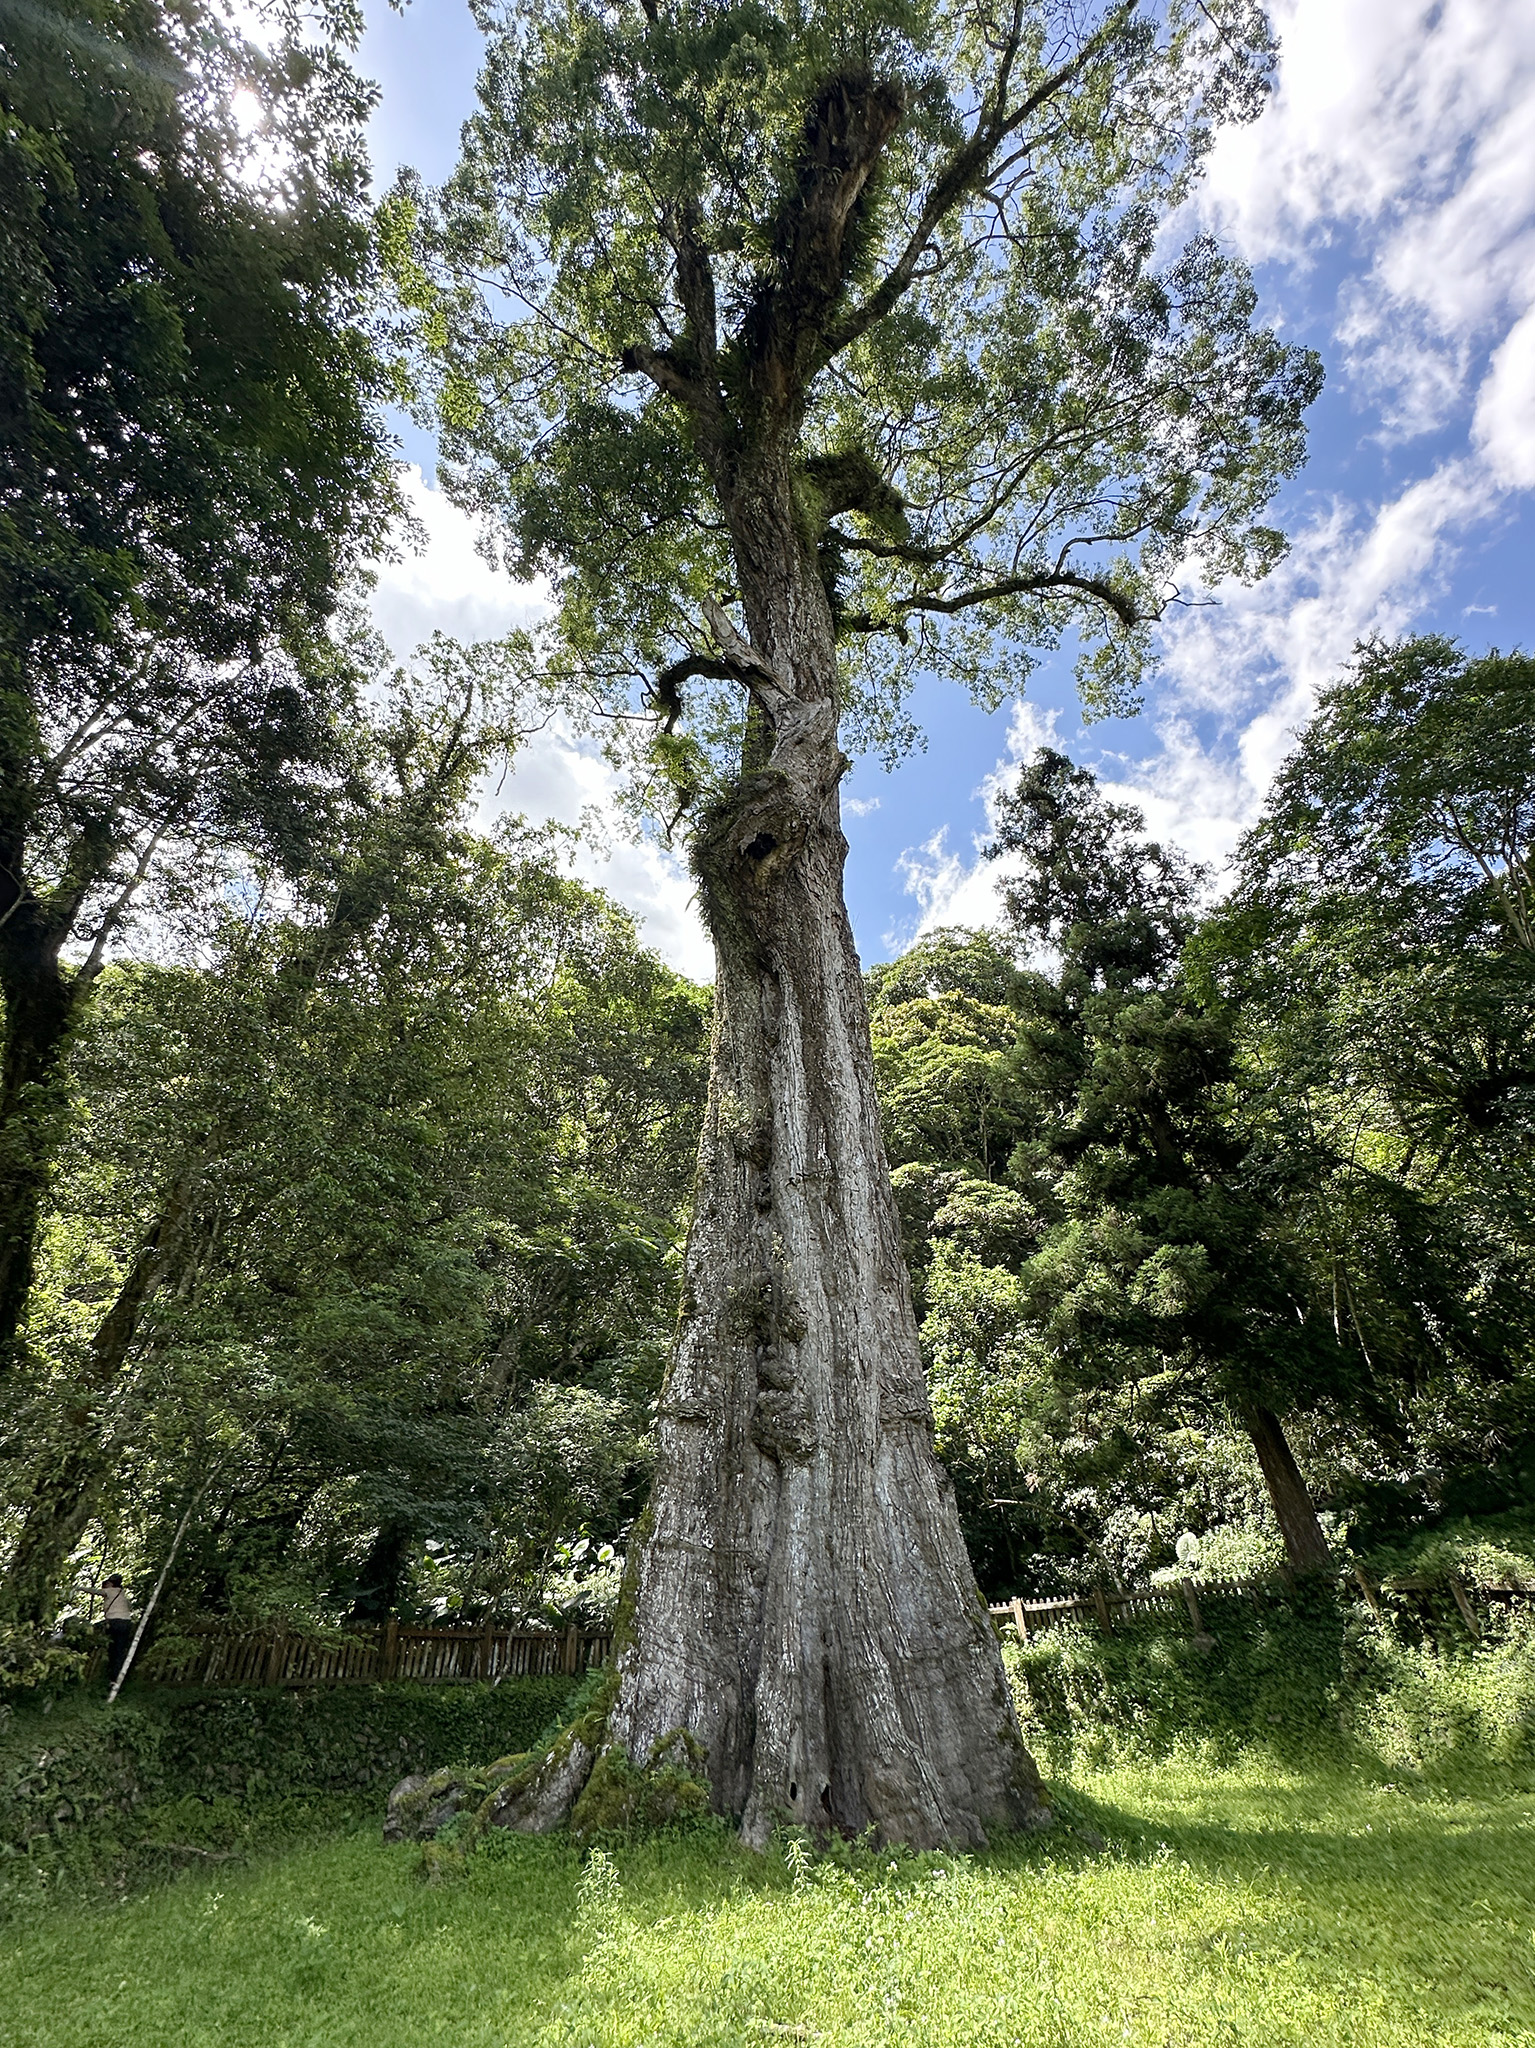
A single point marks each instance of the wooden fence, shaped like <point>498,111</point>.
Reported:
<point>445,1656</point>
<point>1028,1617</point>
<point>435,1656</point>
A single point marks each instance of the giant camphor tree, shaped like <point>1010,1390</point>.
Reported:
<point>807,349</point>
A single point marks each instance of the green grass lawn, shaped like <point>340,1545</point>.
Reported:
<point>1250,1904</point>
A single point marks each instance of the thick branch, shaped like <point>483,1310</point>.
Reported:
<point>1125,610</point>
<point>751,668</point>
<point>667,688</point>
<point>695,282</point>
<point>846,130</point>
<point>664,370</point>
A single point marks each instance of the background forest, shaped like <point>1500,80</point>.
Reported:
<point>346,1149</point>
<point>364,1228</point>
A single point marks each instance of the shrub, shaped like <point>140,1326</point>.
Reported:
<point>1499,1550</point>
<point>80,1783</point>
<point>1300,1673</point>
<point>1426,1706</point>
<point>31,1664</point>
<point>1274,1671</point>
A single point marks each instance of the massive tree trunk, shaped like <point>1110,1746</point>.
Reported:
<point>803,1603</point>
<point>1305,1544</point>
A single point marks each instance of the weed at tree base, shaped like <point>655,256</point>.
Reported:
<point>1254,1903</point>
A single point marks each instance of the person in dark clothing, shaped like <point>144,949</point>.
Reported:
<point>118,1617</point>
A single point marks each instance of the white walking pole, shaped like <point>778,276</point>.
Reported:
<point>149,1604</point>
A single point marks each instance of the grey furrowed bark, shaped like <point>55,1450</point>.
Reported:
<point>804,1604</point>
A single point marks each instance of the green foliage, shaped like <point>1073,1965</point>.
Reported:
<point>1428,1707</point>
<point>84,1787</point>
<point>1275,1675</point>
<point>1414,788</point>
<point>1375,959</point>
<point>1097,1226</point>
<point>30,1663</point>
<point>679,252</point>
<point>1271,1158</point>
<point>945,1082</point>
<point>1303,1909</point>
<point>194,448</point>
<point>196,471</point>
<point>1499,1551</point>
<point>1118,906</point>
<point>1303,1675</point>
<point>369,1219</point>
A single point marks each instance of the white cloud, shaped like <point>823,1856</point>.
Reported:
<point>448,586</point>
<point>1504,427</point>
<point>1412,127</point>
<point>1239,679</point>
<point>948,889</point>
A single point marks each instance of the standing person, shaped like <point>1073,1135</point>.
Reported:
<point>118,1616</point>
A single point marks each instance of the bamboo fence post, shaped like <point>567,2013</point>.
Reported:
<point>1463,1602</point>
<point>482,1670</point>
<point>277,1658</point>
<point>1101,1609</point>
<point>389,1648</point>
<point>1020,1621</point>
<point>1367,1589</point>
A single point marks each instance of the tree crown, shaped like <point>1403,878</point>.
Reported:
<point>902,259</point>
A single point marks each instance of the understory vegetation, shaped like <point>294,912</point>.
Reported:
<point>1193,1902</point>
<point>95,1802</point>
<point>348,1142</point>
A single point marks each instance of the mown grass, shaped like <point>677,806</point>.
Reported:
<point>1254,1903</point>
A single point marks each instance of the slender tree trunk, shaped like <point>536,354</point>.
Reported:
<point>378,1583</point>
<point>1304,1542</point>
<point>803,1603</point>
<point>68,1479</point>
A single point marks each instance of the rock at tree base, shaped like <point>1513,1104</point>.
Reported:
<point>419,1807</point>
<point>539,1799</point>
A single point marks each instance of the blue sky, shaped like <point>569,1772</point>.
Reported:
<point>1386,200</point>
